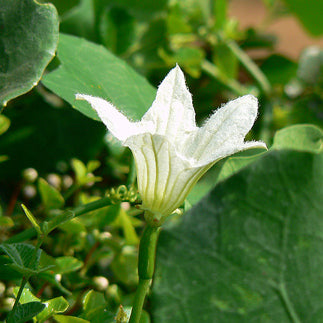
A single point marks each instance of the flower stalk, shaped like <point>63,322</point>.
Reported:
<point>146,268</point>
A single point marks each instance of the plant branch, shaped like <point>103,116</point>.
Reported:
<point>250,66</point>
<point>213,71</point>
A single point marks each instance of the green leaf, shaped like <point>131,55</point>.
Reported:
<point>69,319</point>
<point>23,256</point>
<point>79,169</point>
<point>4,124</point>
<point>279,69</point>
<point>299,137</point>
<point>26,47</point>
<point>124,266</point>
<point>189,58</point>
<point>25,312</point>
<point>92,300</point>
<point>250,251</point>
<point>50,196</point>
<point>223,169</point>
<point>32,219</point>
<point>88,68</point>
<point>79,20</point>
<point>26,297</point>
<point>117,29</point>
<point>53,306</point>
<point>94,306</point>
<point>226,61</point>
<point>309,12</point>
<point>67,264</point>
<point>123,221</point>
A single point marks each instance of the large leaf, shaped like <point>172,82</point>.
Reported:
<point>309,12</point>
<point>88,68</point>
<point>29,36</point>
<point>251,251</point>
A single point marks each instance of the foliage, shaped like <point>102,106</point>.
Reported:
<point>245,246</point>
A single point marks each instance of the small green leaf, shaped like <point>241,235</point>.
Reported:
<point>23,256</point>
<point>299,137</point>
<point>53,306</point>
<point>69,319</point>
<point>92,301</point>
<point>50,196</point>
<point>94,307</point>
<point>25,312</point>
<point>88,68</point>
<point>26,47</point>
<point>123,315</point>
<point>32,219</point>
<point>67,264</point>
<point>226,61</point>
<point>4,124</point>
<point>124,221</point>
<point>92,165</point>
<point>26,297</point>
<point>190,58</point>
<point>79,169</point>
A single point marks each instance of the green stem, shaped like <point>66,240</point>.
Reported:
<point>250,66</point>
<point>140,296</point>
<point>79,210</point>
<point>146,268</point>
<point>289,306</point>
<point>26,278</point>
<point>215,73</point>
<point>21,289</point>
<point>85,208</point>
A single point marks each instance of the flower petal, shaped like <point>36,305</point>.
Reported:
<point>115,121</point>
<point>172,111</point>
<point>223,134</point>
<point>164,178</point>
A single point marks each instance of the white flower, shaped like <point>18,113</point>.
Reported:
<point>170,151</point>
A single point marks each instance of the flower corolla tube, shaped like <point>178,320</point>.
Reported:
<point>171,152</point>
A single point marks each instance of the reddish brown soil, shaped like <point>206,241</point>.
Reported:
<point>292,37</point>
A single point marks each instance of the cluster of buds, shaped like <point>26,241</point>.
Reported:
<point>123,194</point>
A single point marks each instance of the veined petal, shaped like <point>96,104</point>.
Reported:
<point>223,134</point>
<point>172,111</point>
<point>119,125</point>
<point>164,177</point>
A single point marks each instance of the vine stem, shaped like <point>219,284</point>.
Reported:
<point>21,288</point>
<point>213,71</point>
<point>146,268</point>
<point>250,66</point>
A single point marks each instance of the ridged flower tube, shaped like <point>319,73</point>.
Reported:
<point>171,152</point>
